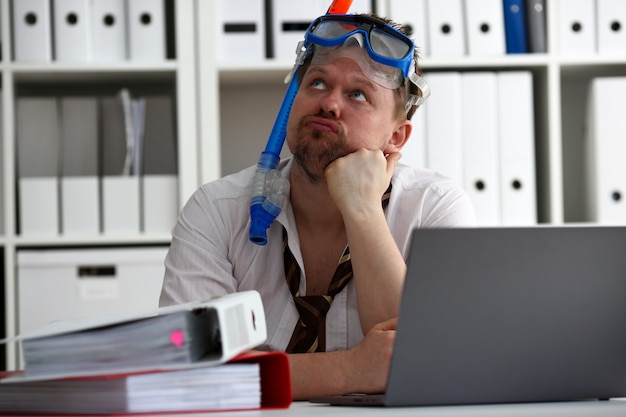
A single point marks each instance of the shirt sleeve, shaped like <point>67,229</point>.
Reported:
<point>197,265</point>
<point>449,208</point>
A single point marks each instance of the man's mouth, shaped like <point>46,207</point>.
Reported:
<point>321,124</point>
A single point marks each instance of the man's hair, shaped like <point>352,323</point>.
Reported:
<point>401,91</point>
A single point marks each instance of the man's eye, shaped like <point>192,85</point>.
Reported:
<point>358,95</point>
<point>317,83</point>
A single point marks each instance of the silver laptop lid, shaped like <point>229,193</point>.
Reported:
<point>497,315</point>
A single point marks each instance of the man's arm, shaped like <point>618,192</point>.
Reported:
<point>363,368</point>
<point>357,183</point>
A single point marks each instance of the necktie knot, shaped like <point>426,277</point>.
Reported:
<point>313,309</point>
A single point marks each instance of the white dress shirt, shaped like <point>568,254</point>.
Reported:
<point>211,253</point>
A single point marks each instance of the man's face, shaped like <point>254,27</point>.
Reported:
<point>337,111</point>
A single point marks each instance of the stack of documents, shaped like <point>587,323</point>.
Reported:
<point>230,386</point>
<point>187,357</point>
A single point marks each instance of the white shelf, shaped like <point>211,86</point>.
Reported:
<point>175,76</point>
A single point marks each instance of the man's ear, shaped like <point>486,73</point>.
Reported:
<point>399,137</point>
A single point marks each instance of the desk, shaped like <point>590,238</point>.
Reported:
<point>613,408</point>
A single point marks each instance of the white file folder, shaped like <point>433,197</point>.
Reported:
<point>577,27</point>
<point>444,125</point>
<point>484,23</point>
<point>159,181</point>
<point>32,30</point>
<point>413,14</point>
<point>517,148</point>
<point>241,30</point>
<point>146,30</point>
<point>290,19</point>
<point>611,25</point>
<point>80,191</point>
<point>479,97</point>
<point>109,30</point>
<point>120,205</point>
<point>446,31</point>
<point>605,150</point>
<point>414,151</point>
<point>72,30</point>
<point>38,164</point>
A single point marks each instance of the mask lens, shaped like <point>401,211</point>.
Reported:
<point>330,29</point>
<point>387,45</point>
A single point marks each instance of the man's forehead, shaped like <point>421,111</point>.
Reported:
<point>346,67</point>
<point>376,72</point>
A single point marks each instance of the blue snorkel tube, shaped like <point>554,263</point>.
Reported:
<point>269,189</point>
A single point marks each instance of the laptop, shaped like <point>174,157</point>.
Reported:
<point>506,315</point>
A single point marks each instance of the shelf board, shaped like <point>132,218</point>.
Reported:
<point>100,240</point>
<point>91,71</point>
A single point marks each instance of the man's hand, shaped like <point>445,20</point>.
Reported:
<point>363,368</point>
<point>371,359</point>
<point>359,179</point>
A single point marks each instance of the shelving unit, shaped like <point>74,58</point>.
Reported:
<point>176,75</point>
<point>225,112</point>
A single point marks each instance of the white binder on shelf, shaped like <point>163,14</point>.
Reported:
<point>32,30</point>
<point>611,25</point>
<point>120,187</point>
<point>412,13</point>
<point>241,30</point>
<point>72,30</point>
<point>446,31</point>
<point>146,30</point>
<point>109,30</point>
<point>517,148</point>
<point>444,137</point>
<point>481,176</point>
<point>80,190</point>
<point>160,172</point>
<point>605,150</point>
<point>577,27</point>
<point>290,19</point>
<point>484,24</point>
<point>38,164</point>
<point>414,151</point>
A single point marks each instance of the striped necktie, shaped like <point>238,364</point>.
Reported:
<point>309,334</point>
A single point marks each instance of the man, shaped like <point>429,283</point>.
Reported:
<point>346,222</point>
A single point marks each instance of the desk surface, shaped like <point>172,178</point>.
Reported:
<point>613,408</point>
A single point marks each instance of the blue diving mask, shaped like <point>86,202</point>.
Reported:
<point>386,53</point>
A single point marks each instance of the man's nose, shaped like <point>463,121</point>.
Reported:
<point>331,103</point>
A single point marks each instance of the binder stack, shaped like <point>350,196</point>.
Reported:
<point>89,30</point>
<point>479,131</point>
<point>187,357</point>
